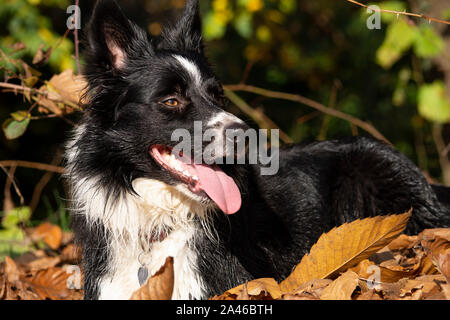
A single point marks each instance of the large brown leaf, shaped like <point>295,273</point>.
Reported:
<point>344,247</point>
<point>159,286</point>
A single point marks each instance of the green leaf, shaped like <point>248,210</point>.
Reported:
<point>243,24</point>
<point>15,216</point>
<point>433,104</point>
<point>428,43</point>
<point>13,129</point>
<point>399,38</point>
<point>213,27</point>
<point>13,243</point>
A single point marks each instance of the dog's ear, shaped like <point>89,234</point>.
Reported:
<point>186,34</point>
<point>111,36</point>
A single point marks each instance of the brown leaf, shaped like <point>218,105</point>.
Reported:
<point>51,284</point>
<point>64,87</point>
<point>71,254</point>
<point>42,56</point>
<point>403,242</point>
<point>2,287</point>
<point>264,286</point>
<point>342,288</point>
<point>439,248</point>
<point>369,295</point>
<point>159,286</point>
<point>299,296</point>
<point>12,270</point>
<point>446,290</point>
<point>50,233</point>
<point>43,263</point>
<point>314,287</point>
<point>344,247</point>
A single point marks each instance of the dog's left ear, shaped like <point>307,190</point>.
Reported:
<point>112,37</point>
<point>186,34</point>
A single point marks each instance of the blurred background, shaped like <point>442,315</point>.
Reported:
<point>395,77</point>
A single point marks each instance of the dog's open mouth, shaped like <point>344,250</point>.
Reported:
<point>199,178</point>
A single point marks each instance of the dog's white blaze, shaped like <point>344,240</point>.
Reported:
<point>191,68</point>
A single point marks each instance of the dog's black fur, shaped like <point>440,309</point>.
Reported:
<point>319,185</point>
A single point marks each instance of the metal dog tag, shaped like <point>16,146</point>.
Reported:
<point>142,275</point>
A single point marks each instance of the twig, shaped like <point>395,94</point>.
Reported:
<point>42,183</point>
<point>16,87</point>
<point>311,103</point>
<point>404,13</point>
<point>446,150</point>
<point>22,201</point>
<point>331,105</point>
<point>247,70</point>
<point>8,204</point>
<point>259,117</point>
<point>32,165</point>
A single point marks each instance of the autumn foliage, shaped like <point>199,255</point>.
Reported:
<point>367,259</point>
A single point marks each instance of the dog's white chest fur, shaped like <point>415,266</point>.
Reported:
<point>130,220</point>
<point>123,281</point>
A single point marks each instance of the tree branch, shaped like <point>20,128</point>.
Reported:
<point>311,103</point>
<point>404,13</point>
<point>32,165</point>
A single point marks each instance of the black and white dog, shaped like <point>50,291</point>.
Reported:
<point>134,203</point>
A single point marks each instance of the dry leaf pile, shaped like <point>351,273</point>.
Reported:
<point>366,259</point>
<point>43,274</point>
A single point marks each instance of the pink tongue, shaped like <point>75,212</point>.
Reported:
<point>220,188</point>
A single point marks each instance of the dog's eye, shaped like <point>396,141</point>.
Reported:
<point>171,102</point>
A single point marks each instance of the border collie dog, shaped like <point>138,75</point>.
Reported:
<point>134,203</point>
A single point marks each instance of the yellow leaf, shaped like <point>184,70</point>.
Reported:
<point>344,247</point>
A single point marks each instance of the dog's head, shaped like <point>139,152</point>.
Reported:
<point>145,95</point>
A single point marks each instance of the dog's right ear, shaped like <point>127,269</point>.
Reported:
<point>112,36</point>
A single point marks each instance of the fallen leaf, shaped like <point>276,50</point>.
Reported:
<point>265,286</point>
<point>369,295</point>
<point>439,248</point>
<point>300,296</point>
<point>12,270</point>
<point>446,290</point>
<point>342,288</point>
<point>403,242</point>
<point>50,233</point>
<point>51,284</point>
<point>71,254</point>
<point>314,287</point>
<point>43,263</point>
<point>159,286</point>
<point>344,247</point>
